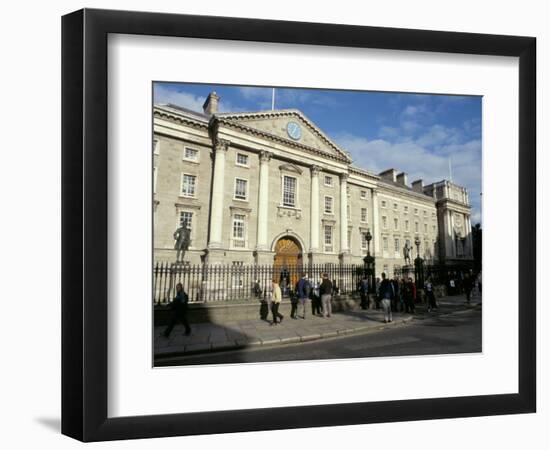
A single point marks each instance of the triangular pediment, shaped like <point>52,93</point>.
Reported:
<point>290,125</point>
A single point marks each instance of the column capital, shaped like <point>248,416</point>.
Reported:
<point>265,156</point>
<point>344,177</point>
<point>315,170</point>
<point>221,144</point>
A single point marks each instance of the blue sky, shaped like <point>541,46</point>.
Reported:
<point>414,133</point>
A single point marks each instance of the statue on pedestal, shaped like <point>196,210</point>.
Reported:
<point>182,236</point>
<point>407,253</point>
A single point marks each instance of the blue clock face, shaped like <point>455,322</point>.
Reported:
<point>293,130</point>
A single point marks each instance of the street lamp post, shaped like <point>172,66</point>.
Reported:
<point>418,266</point>
<point>369,262</point>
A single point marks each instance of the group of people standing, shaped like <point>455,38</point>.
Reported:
<point>318,294</point>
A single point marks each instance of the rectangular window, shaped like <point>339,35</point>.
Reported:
<point>364,215</point>
<point>416,211</point>
<point>433,228</point>
<point>363,195</point>
<point>364,241</point>
<point>328,238</point>
<point>395,206</point>
<point>383,203</point>
<point>188,185</point>
<point>328,181</point>
<point>416,227</point>
<point>406,225</point>
<point>396,245</point>
<point>406,209</point>
<point>242,159</point>
<point>384,222</point>
<point>425,213</point>
<point>396,223</point>
<point>190,154</point>
<point>425,228</point>
<point>328,205</point>
<point>186,218</point>
<point>239,231</point>
<point>385,243</point>
<point>241,189</point>
<point>289,191</point>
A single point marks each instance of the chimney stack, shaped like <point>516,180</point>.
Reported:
<point>389,175</point>
<point>211,104</point>
<point>402,178</point>
<point>418,186</point>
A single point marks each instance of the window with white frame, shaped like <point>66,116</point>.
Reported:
<point>406,209</point>
<point>239,231</point>
<point>364,241</point>
<point>328,238</point>
<point>395,223</point>
<point>190,154</point>
<point>416,227</point>
<point>363,195</point>
<point>385,243</point>
<point>186,218</point>
<point>384,222</point>
<point>396,245</point>
<point>383,203</point>
<point>328,204</point>
<point>328,181</point>
<point>242,159</point>
<point>425,228</point>
<point>406,225</point>
<point>188,185</point>
<point>395,206</point>
<point>241,189</point>
<point>289,191</point>
<point>364,215</point>
<point>416,211</point>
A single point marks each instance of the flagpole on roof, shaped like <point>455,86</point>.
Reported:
<point>273,100</point>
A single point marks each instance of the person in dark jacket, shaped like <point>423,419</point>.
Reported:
<point>386,294</point>
<point>326,295</point>
<point>431,296</point>
<point>303,291</point>
<point>179,311</point>
<point>395,299</point>
<point>408,294</point>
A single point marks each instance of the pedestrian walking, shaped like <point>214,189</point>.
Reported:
<point>276,298</point>
<point>179,311</point>
<point>304,289</point>
<point>386,294</point>
<point>431,296</point>
<point>294,302</point>
<point>468,286</point>
<point>408,293</point>
<point>395,299</point>
<point>376,289</point>
<point>326,295</point>
<point>364,292</point>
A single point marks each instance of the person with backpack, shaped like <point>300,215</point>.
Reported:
<point>386,294</point>
<point>304,289</point>
<point>179,311</point>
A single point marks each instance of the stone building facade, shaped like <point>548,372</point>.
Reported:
<point>270,187</point>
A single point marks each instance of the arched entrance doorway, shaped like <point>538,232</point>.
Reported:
<point>288,262</point>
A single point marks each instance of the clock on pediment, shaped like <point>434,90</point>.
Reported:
<point>294,130</point>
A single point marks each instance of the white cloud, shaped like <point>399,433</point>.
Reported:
<point>419,162</point>
<point>163,94</point>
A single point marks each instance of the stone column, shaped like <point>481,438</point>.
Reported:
<point>314,207</point>
<point>263,201</point>
<point>216,206</point>
<point>469,236</point>
<point>344,213</point>
<point>375,224</point>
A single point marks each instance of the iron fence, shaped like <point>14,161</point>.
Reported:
<point>215,283</point>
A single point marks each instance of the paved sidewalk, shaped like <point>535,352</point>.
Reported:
<point>207,337</point>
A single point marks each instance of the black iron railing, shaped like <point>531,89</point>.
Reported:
<point>216,283</point>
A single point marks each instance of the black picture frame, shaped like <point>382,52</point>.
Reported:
<point>84,224</point>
